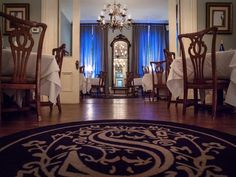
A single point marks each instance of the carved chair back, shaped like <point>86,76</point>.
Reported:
<point>158,69</point>
<point>22,42</point>
<point>145,69</point>
<point>169,57</point>
<point>193,45</point>
<point>59,54</point>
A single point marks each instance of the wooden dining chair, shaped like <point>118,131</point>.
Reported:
<point>159,78</point>
<point>82,70</point>
<point>100,88</point>
<point>22,43</point>
<point>145,70</point>
<point>169,57</point>
<point>59,54</point>
<point>194,46</point>
<point>130,83</point>
<point>1,45</point>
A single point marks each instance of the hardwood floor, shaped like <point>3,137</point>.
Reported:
<point>107,109</point>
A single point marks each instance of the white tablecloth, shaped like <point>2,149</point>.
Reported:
<point>225,68</point>
<point>138,82</point>
<point>83,83</point>
<point>147,81</point>
<point>50,82</point>
<point>86,83</point>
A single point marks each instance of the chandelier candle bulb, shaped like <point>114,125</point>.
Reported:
<point>118,17</point>
<point>129,17</point>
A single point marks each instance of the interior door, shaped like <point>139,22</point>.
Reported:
<point>69,74</point>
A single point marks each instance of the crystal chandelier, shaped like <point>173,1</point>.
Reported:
<point>118,17</point>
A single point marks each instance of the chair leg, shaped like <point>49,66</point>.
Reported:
<point>38,108</point>
<point>81,95</point>
<point>169,99</point>
<point>158,95</point>
<point>59,103</point>
<point>185,101</point>
<point>195,93</point>
<point>28,99</point>
<point>214,103</point>
<point>176,101</point>
<point>153,94</point>
<point>1,104</point>
<point>51,107</point>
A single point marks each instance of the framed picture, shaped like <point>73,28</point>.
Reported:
<point>19,10</point>
<point>219,14</point>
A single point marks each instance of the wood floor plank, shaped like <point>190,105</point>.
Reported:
<point>107,109</point>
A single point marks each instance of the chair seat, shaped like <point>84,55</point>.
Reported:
<point>7,83</point>
<point>99,88</point>
<point>160,86</point>
<point>221,83</point>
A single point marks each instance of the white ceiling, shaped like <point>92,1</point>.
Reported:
<point>148,11</point>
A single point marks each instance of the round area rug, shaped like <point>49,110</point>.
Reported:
<point>131,148</point>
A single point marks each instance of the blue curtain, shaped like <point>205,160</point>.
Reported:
<point>93,47</point>
<point>149,41</point>
<point>86,47</point>
<point>140,47</point>
<point>98,49</point>
<point>157,42</point>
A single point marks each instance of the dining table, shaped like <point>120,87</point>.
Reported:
<point>50,83</point>
<point>147,81</point>
<point>138,82</point>
<point>225,69</point>
<point>86,83</point>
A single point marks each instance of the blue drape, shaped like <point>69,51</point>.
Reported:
<point>92,49</point>
<point>140,47</point>
<point>150,41</point>
<point>143,51</point>
<point>86,47</point>
<point>98,47</point>
<point>157,42</point>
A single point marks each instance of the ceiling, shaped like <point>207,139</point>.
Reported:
<point>148,11</point>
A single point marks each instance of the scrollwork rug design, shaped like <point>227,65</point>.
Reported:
<point>132,148</point>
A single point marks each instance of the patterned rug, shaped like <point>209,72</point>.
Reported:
<point>131,148</point>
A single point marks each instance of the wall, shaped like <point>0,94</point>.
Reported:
<point>35,8</point>
<point>228,39</point>
<point>66,33</point>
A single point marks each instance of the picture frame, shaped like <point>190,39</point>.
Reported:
<point>220,14</point>
<point>19,10</point>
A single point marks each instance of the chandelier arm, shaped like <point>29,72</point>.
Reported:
<point>118,17</point>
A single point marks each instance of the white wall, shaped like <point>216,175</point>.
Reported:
<point>229,39</point>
